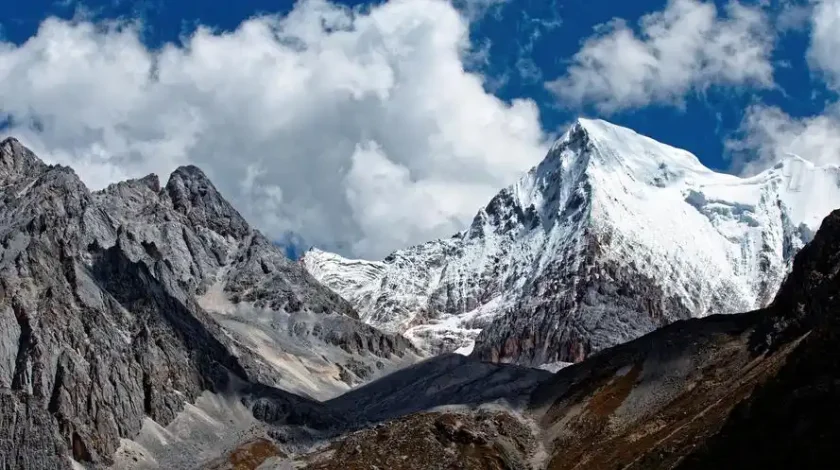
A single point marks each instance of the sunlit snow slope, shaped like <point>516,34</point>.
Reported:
<point>611,236</point>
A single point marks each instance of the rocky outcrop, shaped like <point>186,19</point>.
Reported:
<point>430,441</point>
<point>28,437</point>
<point>102,318</point>
<point>247,456</point>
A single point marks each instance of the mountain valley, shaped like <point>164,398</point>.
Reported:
<point>588,318</point>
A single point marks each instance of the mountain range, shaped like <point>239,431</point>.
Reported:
<point>610,237</point>
<point>754,390</point>
<point>149,326</point>
<point>120,306</point>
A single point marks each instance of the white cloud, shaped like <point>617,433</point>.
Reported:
<point>768,135</point>
<point>793,15</point>
<point>825,41</point>
<point>686,47</point>
<point>427,207</point>
<point>357,130</point>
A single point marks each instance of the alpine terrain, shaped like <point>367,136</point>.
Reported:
<point>148,326</point>
<point>610,237</point>
<point>755,390</point>
<point>121,308</point>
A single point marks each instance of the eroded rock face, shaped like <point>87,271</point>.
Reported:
<point>28,438</point>
<point>583,303</point>
<point>100,319</point>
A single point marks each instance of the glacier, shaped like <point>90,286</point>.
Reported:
<point>611,236</point>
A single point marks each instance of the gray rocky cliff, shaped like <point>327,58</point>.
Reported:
<point>102,322</point>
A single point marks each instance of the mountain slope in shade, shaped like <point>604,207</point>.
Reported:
<point>612,236</point>
<point>448,379</point>
<point>102,327</point>
<point>794,416</point>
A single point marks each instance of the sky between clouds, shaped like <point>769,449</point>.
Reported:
<point>368,130</point>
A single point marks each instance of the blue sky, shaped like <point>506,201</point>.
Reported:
<point>545,33</point>
<point>516,48</point>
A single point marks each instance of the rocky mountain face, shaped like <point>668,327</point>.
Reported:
<point>700,393</point>
<point>119,307</point>
<point>308,338</point>
<point>612,236</point>
<point>751,390</point>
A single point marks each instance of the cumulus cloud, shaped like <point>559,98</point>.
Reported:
<point>825,41</point>
<point>686,47</point>
<point>792,15</point>
<point>429,206</point>
<point>361,131</point>
<point>768,134</point>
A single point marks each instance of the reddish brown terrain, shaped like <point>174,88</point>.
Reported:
<point>433,441</point>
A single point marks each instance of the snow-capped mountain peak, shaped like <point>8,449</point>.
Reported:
<point>622,148</point>
<point>609,148</point>
<point>612,235</point>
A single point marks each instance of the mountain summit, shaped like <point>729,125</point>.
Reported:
<point>611,236</point>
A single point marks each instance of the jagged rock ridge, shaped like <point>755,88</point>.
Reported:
<point>122,305</point>
<point>612,236</point>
